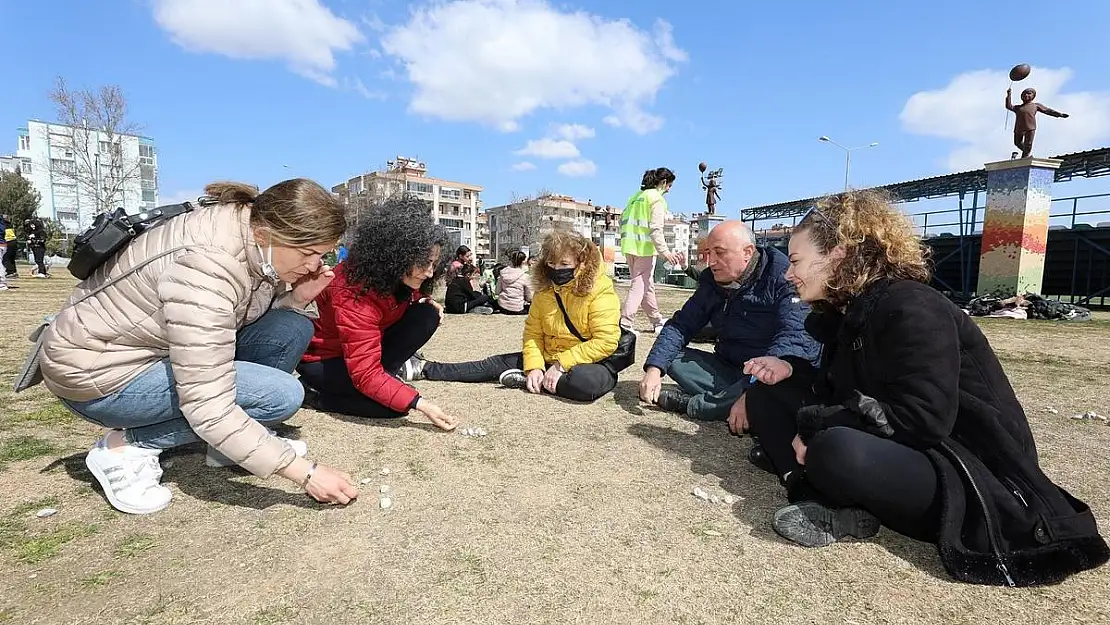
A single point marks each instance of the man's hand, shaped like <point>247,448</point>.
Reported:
<point>551,378</point>
<point>309,286</point>
<point>768,369</point>
<point>799,450</point>
<point>650,385</point>
<point>535,381</point>
<point>738,416</point>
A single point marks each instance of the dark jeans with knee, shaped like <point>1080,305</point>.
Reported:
<point>896,483</point>
<point>400,341</point>
<point>266,351</point>
<point>714,383</point>
<point>585,383</point>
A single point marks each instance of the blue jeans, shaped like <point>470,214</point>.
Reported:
<point>714,383</point>
<point>265,353</point>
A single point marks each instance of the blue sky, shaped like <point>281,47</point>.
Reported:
<point>261,90</point>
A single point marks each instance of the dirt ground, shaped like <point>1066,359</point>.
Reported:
<point>563,514</point>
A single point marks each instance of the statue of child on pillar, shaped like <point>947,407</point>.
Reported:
<point>1025,127</point>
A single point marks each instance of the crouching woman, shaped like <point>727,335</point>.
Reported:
<point>571,292</point>
<point>191,333</point>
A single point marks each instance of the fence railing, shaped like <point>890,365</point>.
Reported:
<point>1064,212</point>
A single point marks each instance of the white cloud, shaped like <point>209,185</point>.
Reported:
<point>549,148</point>
<point>969,111</point>
<point>578,168</point>
<point>496,61</point>
<point>303,33</point>
<point>523,166</point>
<point>574,132</point>
<point>358,87</point>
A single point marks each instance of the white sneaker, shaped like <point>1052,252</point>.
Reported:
<point>413,369</point>
<point>129,476</point>
<point>216,460</point>
<point>659,328</point>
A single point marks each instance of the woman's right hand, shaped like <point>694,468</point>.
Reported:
<point>327,485</point>
<point>436,415</point>
<point>534,382</point>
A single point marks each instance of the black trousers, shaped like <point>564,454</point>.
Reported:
<point>39,252</point>
<point>474,302</point>
<point>846,467</point>
<point>400,341</point>
<point>9,258</point>
<point>584,383</point>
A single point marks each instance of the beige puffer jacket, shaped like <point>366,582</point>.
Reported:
<point>186,306</point>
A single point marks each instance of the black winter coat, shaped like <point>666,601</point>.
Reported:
<point>938,387</point>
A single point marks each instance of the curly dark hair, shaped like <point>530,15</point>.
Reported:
<point>392,238</point>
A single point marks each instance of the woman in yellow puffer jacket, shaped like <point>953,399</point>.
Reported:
<point>553,359</point>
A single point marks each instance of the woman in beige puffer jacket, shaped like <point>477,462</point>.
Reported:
<point>196,339</point>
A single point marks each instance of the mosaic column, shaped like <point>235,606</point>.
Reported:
<point>1015,226</point>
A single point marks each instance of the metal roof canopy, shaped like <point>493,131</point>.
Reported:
<point>1089,164</point>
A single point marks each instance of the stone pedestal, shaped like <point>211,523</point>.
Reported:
<point>706,222</point>
<point>1015,226</point>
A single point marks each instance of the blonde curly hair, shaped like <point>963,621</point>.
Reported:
<point>878,240</point>
<point>561,243</point>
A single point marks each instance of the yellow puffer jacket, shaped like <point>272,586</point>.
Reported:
<point>594,310</point>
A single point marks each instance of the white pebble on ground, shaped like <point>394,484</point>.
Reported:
<point>45,512</point>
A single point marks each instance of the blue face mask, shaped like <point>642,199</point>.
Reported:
<point>560,276</point>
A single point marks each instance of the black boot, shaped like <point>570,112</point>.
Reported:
<point>674,401</point>
<point>758,457</point>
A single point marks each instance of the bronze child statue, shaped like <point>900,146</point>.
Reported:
<point>1025,127</point>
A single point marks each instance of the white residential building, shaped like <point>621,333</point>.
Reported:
<point>455,205</point>
<point>525,223</point>
<point>47,160</point>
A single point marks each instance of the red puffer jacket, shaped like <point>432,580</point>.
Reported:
<point>350,327</point>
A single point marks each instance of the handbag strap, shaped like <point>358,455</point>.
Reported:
<point>566,319</point>
<point>127,273</point>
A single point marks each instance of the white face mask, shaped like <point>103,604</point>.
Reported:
<point>267,259</point>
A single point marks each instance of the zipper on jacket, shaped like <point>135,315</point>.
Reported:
<point>1001,562</point>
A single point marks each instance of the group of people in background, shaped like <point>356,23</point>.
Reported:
<point>35,234</point>
<point>874,400</point>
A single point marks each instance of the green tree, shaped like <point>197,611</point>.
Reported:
<point>18,200</point>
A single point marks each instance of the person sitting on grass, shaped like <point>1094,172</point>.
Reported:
<point>514,289</point>
<point>554,359</point>
<point>463,298</point>
<point>191,332</point>
<point>913,424</point>
<point>375,315</point>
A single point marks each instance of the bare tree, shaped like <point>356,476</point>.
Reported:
<point>95,123</point>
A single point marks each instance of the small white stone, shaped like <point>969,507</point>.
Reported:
<point>45,512</point>
<point>714,499</point>
<point>384,488</point>
<point>1051,410</point>
<point>384,471</point>
<point>701,494</point>
<point>365,481</point>
<point>712,533</point>
<point>32,576</point>
<point>481,431</point>
<point>729,499</point>
<point>385,503</point>
<point>1079,417</point>
<point>1095,416</point>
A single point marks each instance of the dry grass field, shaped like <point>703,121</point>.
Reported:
<point>563,514</point>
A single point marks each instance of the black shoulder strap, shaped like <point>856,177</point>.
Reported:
<point>566,319</point>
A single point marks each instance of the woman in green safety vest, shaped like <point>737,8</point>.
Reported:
<point>641,239</point>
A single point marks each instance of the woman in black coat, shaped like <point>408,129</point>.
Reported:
<point>913,423</point>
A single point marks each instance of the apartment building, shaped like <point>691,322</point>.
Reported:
<point>524,223</point>
<point>455,205</point>
<point>116,170</point>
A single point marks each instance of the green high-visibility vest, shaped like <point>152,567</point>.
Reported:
<point>636,223</point>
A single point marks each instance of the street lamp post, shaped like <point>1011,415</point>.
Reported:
<point>847,155</point>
